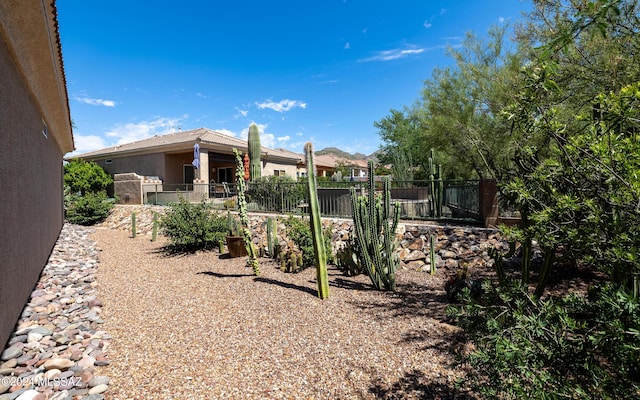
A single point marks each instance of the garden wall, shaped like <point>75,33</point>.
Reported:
<point>456,246</point>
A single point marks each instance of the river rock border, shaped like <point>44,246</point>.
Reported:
<point>57,348</point>
<point>456,246</point>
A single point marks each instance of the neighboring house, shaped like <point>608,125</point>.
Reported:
<point>170,158</point>
<point>35,132</point>
<point>328,164</point>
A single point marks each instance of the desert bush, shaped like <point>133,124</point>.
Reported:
<point>192,227</point>
<point>299,231</point>
<point>87,209</point>
<point>575,346</point>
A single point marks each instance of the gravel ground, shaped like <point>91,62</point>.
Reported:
<point>200,326</point>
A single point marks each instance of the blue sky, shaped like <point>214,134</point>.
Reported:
<point>320,71</point>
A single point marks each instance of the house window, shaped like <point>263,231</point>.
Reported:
<point>225,175</point>
<point>108,161</point>
<point>279,172</point>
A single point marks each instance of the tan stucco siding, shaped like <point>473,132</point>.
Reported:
<point>269,168</point>
<point>31,215</point>
<point>144,164</point>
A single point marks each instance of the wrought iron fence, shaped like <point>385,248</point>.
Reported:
<point>438,199</point>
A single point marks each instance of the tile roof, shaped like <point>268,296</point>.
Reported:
<point>184,140</point>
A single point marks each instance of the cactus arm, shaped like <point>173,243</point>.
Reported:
<point>316,227</point>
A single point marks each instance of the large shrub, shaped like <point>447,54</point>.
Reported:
<point>576,347</point>
<point>192,227</point>
<point>85,189</point>
<point>276,193</point>
<point>87,209</point>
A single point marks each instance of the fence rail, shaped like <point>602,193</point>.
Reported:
<point>459,200</point>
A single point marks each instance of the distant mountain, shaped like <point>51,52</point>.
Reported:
<point>343,154</point>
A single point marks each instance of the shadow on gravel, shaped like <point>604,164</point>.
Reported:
<point>286,285</point>
<point>409,300</point>
<point>343,283</point>
<point>219,275</point>
<point>414,385</point>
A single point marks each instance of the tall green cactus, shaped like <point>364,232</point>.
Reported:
<point>437,185</point>
<point>154,230</point>
<point>133,224</point>
<point>255,150</point>
<point>272,237</point>
<point>316,226</point>
<point>244,218</point>
<point>375,228</point>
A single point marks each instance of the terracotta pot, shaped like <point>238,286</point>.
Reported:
<point>236,246</point>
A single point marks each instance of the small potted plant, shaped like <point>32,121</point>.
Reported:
<point>235,240</point>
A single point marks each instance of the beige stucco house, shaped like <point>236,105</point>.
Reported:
<point>169,159</point>
<point>35,132</point>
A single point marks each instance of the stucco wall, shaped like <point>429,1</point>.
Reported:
<point>269,167</point>
<point>31,215</point>
<point>146,164</point>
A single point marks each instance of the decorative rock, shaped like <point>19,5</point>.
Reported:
<point>11,352</point>
<point>98,389</point>
<point>58,363</point>
<point>30,395</point>
<point>9,364</point>
<point>99,380</point>
<point>415,256</point>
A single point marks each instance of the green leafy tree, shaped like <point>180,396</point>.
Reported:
<point>85,177</point>
<point>575,181</point>
<point>459,112</point>
<point>85,193</point>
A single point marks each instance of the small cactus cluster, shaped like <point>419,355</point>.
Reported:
<point>290,261</point>
<point>375,228</point>
<point>347,260</point>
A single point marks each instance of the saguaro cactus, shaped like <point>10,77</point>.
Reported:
<point>316,226</point>
<point>244,218</point>
<point>255,150</point>
<point>133,224</point>
<point>375,229</point>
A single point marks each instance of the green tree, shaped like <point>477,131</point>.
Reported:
<point>459,112</point>
<point>85,189</point>
<point>576,181</point>
<point>85,177</point>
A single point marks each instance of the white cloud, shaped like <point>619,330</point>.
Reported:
<point>284,138</point>
<point>201,95</point>
<point>132,132</point>
<point>427,24</point>
<point>282,105</point>
<point>241,113</point>
<point>389,55</point>
<point>96,102</point>
<point>85,144</point>
<point>501,19</point>
<point>347,46</point>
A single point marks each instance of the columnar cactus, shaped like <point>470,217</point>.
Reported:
<point>244,218</point>
<point>272,237</point>
<point>316,226</point>
<point>437,186</point>
<point>375,233</point>
<point>255,150</point>
<point>133,224</point>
